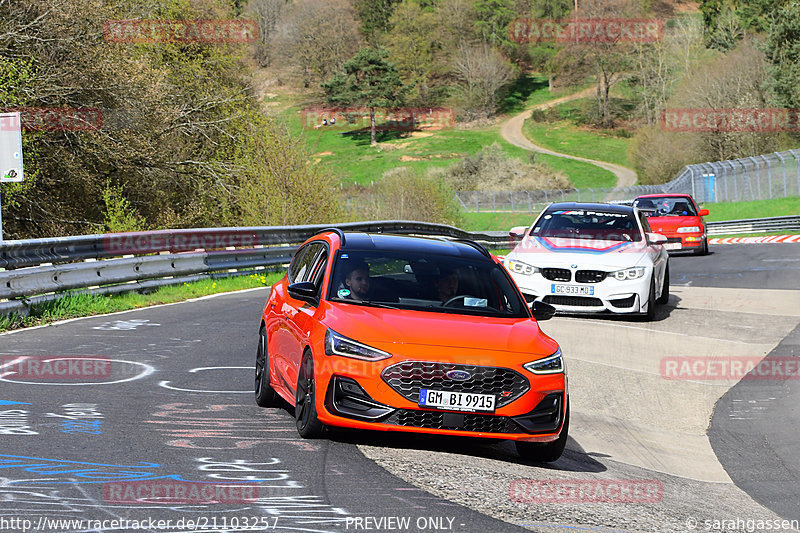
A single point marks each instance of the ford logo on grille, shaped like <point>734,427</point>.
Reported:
<point>459,375</point>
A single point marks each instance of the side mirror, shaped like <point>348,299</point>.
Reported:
<point>542,311</point>
<point>655,238</point>
<point>303,290</point>
<point>517,232</point>
<point>703,212</point>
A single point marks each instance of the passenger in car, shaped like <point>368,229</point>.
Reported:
<point>447,285</point>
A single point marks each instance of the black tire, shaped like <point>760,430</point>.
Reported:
<point>265,394</point>
<point>664,298</point>
<point>650,314</point>
<point>703,250</point>
<point>548,452</point>
<point>305,409</point>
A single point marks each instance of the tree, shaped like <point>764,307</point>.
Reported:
<point>727,21</point>
<point>414,47</point>
<point>318,36</point>
<point>375,16</point>
<point>783,55</point>
<point>482,72</point>
<point>267,13</point>
<point>607,60</point>
<point>367,80</point>
<point>492,18</point>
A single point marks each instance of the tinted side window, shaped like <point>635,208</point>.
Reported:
<point>302,262</point>
<point>645,223</point>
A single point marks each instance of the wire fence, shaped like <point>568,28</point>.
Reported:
<point>763,177</point>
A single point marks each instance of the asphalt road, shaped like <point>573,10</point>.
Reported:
<point>158,402</point>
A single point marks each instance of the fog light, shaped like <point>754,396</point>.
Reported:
<point>693,239</point>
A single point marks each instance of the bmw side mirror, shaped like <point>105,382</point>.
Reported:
<point>517,232</point>
<point>655,238</point>
<point>542,311</point>
<point>303,290</point>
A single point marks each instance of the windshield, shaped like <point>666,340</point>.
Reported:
<point>406,280</point>
<point>588,224</point>
<point>666,207</point>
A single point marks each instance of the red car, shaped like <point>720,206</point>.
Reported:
<point>399,333</point>
<point>677,217</point>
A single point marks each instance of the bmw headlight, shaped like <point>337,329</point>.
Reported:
<point>518,267</point>
<point>689,229</point>
<point>336,344</point>
<point>553,364</point>
<point>629,273</point>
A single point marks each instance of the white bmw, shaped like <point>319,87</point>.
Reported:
<point>589,258</point>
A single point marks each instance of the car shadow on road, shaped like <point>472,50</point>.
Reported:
<point>575,459</point>
<point>663,312</point>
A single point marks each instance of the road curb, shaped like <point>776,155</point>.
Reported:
<point>757,240</point>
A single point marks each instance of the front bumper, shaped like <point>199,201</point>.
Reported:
<point>534,414</point>
<point>608,295</point>
<point>684,242</point>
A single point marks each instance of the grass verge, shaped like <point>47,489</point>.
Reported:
<point>80,305</point>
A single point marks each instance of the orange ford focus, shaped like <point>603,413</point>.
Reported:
<point>400,333</point>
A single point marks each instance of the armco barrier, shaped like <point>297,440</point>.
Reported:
<point>39,270</point>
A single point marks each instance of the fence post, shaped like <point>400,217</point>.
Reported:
<point>783,166</point>
<point>494,202</point>
<point>758,178</point>
<point>769,175</point>
<point>691,169</point>
<point>511,195</point>
<point>530,204</point>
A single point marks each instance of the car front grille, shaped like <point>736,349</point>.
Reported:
<point>408,377</point>
<point>458,421</point>
<point>674,240</point>
<point>573,301</point>
<point>557,274</point>
<point>590,276</point>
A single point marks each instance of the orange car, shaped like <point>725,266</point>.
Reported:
<point>399,333</point>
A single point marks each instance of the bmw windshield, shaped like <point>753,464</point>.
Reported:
<point>588,224</point>
<point>405,280</point>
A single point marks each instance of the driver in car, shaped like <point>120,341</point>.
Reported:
<point>357,282</point>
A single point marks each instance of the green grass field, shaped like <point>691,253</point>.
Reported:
<point>566,138</point>
<point>756,209</point>
<point>346,152</point>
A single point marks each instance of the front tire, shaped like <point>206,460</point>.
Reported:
<point>703,250</point>
<point>305,409</point>
<point>650,314</point>
<point>265,394</point>
<point>548,452</point>
<point>664,289</point>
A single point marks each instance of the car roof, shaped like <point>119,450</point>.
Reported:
<point>665,195</point>
<point>610,208</point>
<point>424,245</point>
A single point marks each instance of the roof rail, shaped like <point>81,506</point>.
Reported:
<point>337,231</point>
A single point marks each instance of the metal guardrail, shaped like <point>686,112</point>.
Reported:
<point>754,225</point>
<point>40,270</point>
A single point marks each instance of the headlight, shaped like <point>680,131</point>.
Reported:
<point>629,273</point>
<point>689,229</point>
<point>519,267</point>
<point>553,364</point>
<point>336,344</point>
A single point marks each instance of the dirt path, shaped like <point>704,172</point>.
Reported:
<point>511,130</point>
